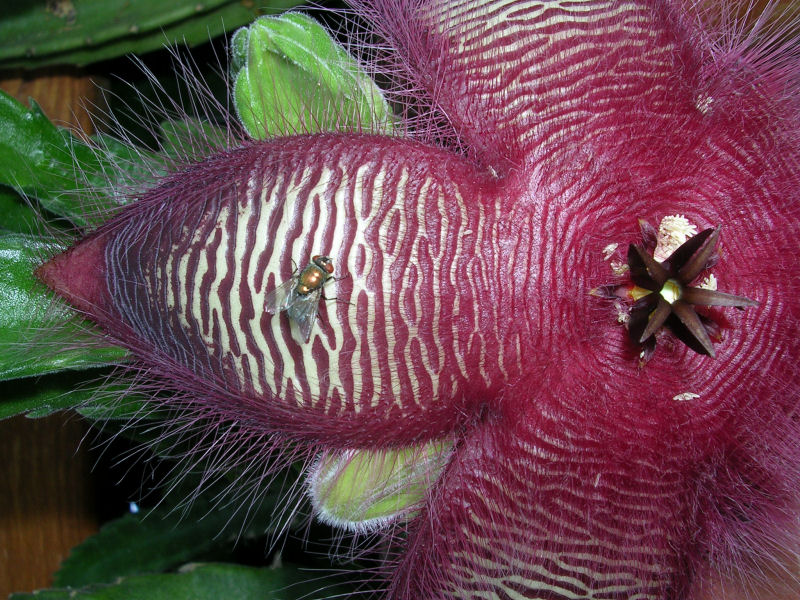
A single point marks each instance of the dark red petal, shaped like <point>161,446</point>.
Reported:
<point>539,486</point>
<point>649,235</point>
<point>184,274</point>
<point>656,319</point>
<point>683,253</point>
<point>688,317</point>
<point>488,83</point>
<point>640,316</point>
<point>79,276</point>
<point>703,297</point>
<point>609,292</point>
<point>698,261</point>
<point>646,271</point>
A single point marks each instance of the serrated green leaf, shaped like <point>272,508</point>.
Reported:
<point>70,32</point>
<point>30,344</point>
<point>114,401</point>
<point>191,138</point>
<point>15,214</point>
<point>291,77</point>
<point>40,396</point>
<point>208,582</point>
<point>40,160</point>
<point>163,539</point>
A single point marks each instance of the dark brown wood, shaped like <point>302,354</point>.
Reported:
<point>46,499</point>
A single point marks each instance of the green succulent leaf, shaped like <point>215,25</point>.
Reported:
<point>37,335</point>
<point>360,486</point>
<point>206,582</point>
<point>291,77</point>
<point>76,32</point>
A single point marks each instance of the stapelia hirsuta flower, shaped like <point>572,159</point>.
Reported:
<point>534,135</point>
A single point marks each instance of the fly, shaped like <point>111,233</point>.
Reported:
<point>300,295</point>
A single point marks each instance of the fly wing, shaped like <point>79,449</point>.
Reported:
<point>282,297</point>
<point>304,312</point>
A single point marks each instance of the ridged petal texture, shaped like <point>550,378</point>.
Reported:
<point>463,310</point>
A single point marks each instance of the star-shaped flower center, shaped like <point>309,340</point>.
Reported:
<point>669,298</point>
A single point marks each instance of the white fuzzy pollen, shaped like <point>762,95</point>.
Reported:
<point>618,267</point>
<point>673,231</point>
<point>623,312</point>
<point>609,250</point>
<point>709,283</point>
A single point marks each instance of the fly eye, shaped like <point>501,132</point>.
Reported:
<point>323,262</point>
<point>326,263</point>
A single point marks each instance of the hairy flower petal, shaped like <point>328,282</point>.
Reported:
<point>547,128</point>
